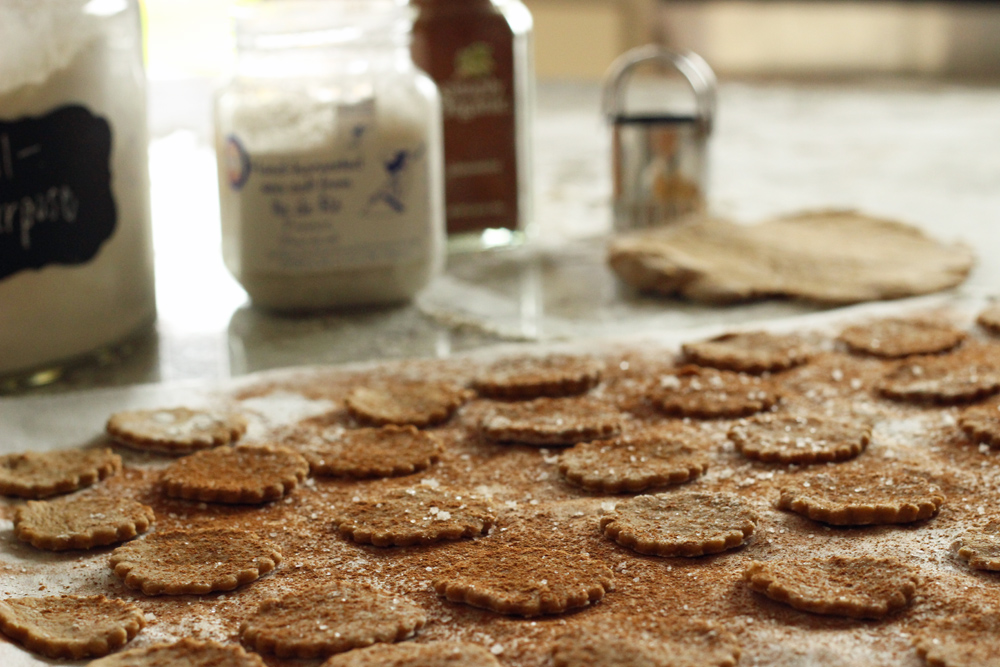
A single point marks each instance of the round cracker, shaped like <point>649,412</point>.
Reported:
<point>195,562</point>
<point>969,374</point>
<point>965,640</point>
<point>431,654</point>
<point>681,524</point>
<point>417,515</point>
<point>388,451</point>
<point>893,338</point>
<point>70,626</point>
<point>982,422</point>
<point>187,653</point>
<point>328,620</point>
<point>752,352</point>
<point>175,430</point>
<point>525,581</point>
<point>799,439</point>
<point>81,523</point>
<point>551,421</point>
<point>981,547</point>
<point>416,403</point>
<point>253,475</point>
<point>45,474</point>
<point>860,587</point>
<point>706,393</point>
<point>531,377</point>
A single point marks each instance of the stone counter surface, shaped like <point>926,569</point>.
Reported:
<point>924,152</point>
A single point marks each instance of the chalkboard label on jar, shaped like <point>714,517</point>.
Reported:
<point>56,205</point>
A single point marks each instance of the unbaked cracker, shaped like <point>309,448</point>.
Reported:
<point>417,515</point>
<point>968,374</point>
<point>409,654</point>
<point>45,474</point>
<point>892,338</point>
<point>856,587</point>
<point>681,524</point>
<point>80,523</point>
<point>634,462</point>
<point>525,581</point>
<point>186,652</point>
<point>68,626</point>
<point>551,421</point>
<point>332,619</point>
<point>530,377</point>
<point>707,393</point>
<point>175,430</point>
<point>417,403</point>
<point>627,640</point>
<point>799,439</point>
<point>239,475</point>
<point>861,497</point>
<point>981,547</point>
<point>989,318</point>
<point>966,640</point>
<point>388,451</point>
<point>182,562</point>
<point>981,422</point>
<point>753,352</point>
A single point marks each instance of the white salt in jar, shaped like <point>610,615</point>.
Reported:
<point>330,156</point>
<point>76,261</point>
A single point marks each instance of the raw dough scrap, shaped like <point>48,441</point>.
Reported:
<point>835,257</point>
<point>634,462</point>
<point>44,474</point>
<point>748,352</point>
<point>80,523</point>
<point>195,562</point>
<point>859,587</point>
<point>989,318</point>
<point>240,475</point>
<point>968,374</point>
<point>431,654</point>
<point>526,581</point>
<point>551,421</point>
<point>387,451</point>
<point>184,653</point>
<point>624,640</point>
<point>892,338</point>
<point>981,547</point>
<point>417,515</point>
<point>530,377</point>
<point>707,393</point>
<point>981,422</point>
<point>328,620</point>
<point>858,497</point>
<point>175,430</point>
<point>417,403</point>
<point>70,626</point>
<point>681,524</point>
<point>799,439</point>
<point>966,640</point>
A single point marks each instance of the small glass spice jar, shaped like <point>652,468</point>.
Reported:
<point>329,151</point>
<point>76,256</point>
<point>479,52</point>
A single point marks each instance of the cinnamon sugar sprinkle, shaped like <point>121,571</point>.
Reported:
<point>538,511</point>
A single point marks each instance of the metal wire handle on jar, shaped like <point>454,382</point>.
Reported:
<point>692,66</point>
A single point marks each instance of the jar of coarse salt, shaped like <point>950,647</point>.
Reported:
<point>330,156</point>
<point>76,260</point>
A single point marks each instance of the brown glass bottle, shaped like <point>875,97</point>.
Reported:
<point>478,53</point>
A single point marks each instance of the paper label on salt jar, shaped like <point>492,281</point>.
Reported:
<point>56,205</point>
<point>357,200</point>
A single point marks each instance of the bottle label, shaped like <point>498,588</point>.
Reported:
<point>56,205</point>
<point>471,58</point>
<point>359,199</point>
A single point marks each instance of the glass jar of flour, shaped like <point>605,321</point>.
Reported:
<point>330,156</point>
<point>76,260</point>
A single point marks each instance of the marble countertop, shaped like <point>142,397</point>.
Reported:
<point>918,151</point>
